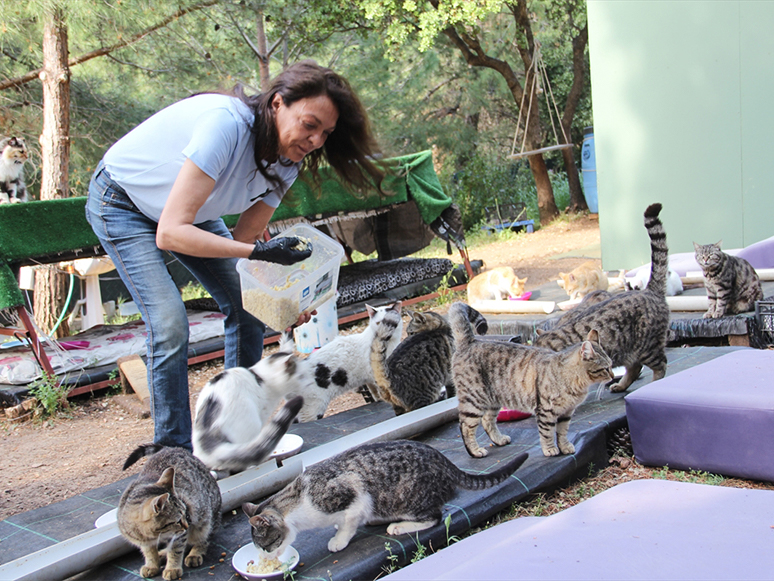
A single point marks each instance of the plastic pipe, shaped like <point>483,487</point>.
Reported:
<point>514,307</point>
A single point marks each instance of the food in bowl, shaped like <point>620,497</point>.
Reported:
<point>264,565</point>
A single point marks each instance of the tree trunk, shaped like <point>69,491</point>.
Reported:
<point>579,43</point>
<point>263,51</point>
<point>50,286</point>
<point>577,199</point>
<point>545,192</point>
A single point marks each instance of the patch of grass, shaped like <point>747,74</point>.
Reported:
<point>51,395</point>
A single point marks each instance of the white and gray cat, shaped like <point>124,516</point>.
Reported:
<point>233,427</point>
<point>174,501</point>
<point>13,154</point>
<point>403,482</point>
<point>342,365</point>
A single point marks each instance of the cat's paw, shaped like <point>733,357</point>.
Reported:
<point>336,544</point>
<point>567,448</point>
<point>396,528</point>
<point>504,441</point>
<point>194,561</point>
<point>172,573</point>
<point>550,451</point>
<point>146,571</point>
<point>617,387</point>
<point>478,453</point>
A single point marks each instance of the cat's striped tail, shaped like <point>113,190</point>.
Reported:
<point>470,481</point>
<point>387,328</point>
<point>659,253</point>
<point>461,316</point>
<point>140,452</point>
<point>237,457</point>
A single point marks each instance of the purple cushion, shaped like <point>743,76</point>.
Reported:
<point>716,417</point>
<point>646,529</point>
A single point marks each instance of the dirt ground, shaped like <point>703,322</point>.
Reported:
<point>42,463</point>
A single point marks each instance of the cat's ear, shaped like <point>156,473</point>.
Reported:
<point>370,310</point>
<point>167,479</point>
<point>587,351</point>
<point>696,246</point>
<point>250,509</point>
<point>540,331</point>
<point>593,336</point>
<point>396,306</point>
<point>719,244</point>
<point>159,502</point>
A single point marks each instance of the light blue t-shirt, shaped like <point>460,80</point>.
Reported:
<point>211,130</point>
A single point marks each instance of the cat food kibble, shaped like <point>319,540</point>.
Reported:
<point>264,566</point>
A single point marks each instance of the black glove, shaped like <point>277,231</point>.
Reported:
<point>282,250</point>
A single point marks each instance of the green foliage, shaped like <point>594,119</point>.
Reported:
<point>392,559</point>
<point>194,290</point>
<point>449,538</point>
<point>51,395</point>
<point>421,551</point>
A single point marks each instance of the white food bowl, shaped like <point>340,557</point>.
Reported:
<point>250,553</point>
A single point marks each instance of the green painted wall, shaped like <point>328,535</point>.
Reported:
<point>683,101</point>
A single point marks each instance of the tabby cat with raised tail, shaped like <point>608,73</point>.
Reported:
<point>418,369</point>
<point>13,154</point>
<point>732,284</point>
<point>490,375</point>
<point>174,501</point>
<point>401,482</point>
<point>632,325</point>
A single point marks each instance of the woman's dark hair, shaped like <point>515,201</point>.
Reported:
<point>349,149</point>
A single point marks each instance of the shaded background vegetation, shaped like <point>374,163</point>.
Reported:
<point>420,93</point>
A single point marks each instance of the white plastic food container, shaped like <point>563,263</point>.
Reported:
<point>277,294</point>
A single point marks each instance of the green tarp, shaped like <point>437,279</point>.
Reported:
<point>42,231</point>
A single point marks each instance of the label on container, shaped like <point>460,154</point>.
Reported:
<point>321,286</point>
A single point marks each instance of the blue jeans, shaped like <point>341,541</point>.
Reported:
<point>129,238</point>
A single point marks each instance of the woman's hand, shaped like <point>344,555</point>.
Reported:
<point>302,318</point>
<point>281,250</point>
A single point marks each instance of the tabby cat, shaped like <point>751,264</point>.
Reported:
<point>174,501</point>
<point>402,482</point>
<point>497,284</point>
<point>490,375</point>
<point>632,325</point>
<point>414,375</point>
<point>13,154</point>
<point>583,279</point>
<point>732,284</point>
<point>342,365</point>
<point>233,427</point>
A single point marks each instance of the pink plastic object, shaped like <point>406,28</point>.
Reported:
<point>69,345</point>
<point>511,415</point>
<point>524,297</point>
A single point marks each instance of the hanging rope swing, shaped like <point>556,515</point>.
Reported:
<point>540,77</point>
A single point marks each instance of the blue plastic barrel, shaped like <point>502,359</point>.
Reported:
<point>589,170</point>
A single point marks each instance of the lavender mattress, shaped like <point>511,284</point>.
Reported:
<point>716,417</point>
<point>646,529</point>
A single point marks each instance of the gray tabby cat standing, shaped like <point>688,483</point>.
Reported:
<point>732,284</point>
<point>13,154</point>
<point>402,482</point>
<point>632,325</point>
<point>420,366</point>
<point>490,375</point>
<point>174,501</point>
<point>233,427</point>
